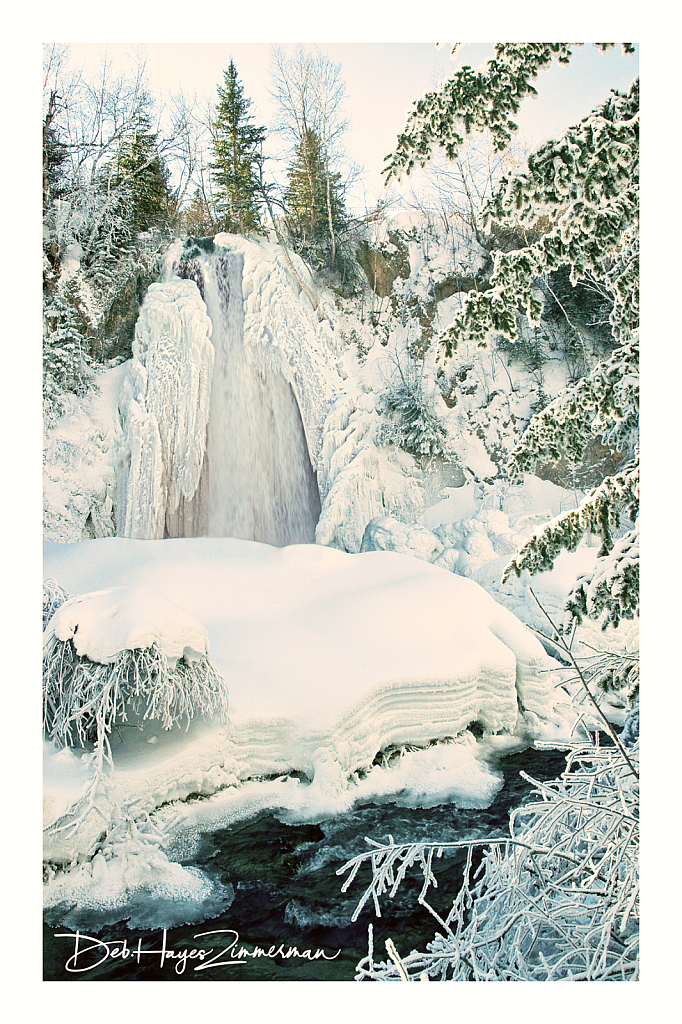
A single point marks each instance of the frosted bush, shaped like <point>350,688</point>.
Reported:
<point>83,699</point>
<point>151,672</point>
<point>54,597</point>
<point>412,420</point>
<point>557,900</point>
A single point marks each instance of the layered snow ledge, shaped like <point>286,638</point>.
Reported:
<point>329,658</point>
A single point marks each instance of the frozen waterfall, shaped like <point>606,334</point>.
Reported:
<point>215,444</point>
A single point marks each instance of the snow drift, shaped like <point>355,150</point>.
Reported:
<point>329,659</point>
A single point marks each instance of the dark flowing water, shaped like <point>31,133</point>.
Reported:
<point>287,894</point>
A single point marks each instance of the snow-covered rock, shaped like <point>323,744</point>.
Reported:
<point>329,659</point>
<point>107,622</point>
<point>386,534</point>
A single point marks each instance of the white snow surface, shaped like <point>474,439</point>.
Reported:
<point>329,658</point>
<point>107,622</point>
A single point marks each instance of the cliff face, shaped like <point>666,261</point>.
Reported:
<point>384,262</point>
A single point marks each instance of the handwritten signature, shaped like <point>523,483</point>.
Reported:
<point>89,953</point>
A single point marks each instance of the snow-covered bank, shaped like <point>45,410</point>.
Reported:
<point>329,659</point>
<point>307,635</point>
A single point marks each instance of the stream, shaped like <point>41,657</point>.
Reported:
<point>287,894</point>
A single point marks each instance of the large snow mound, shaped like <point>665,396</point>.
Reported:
<point>326,654</point>
<point>330,658</point>
<point>326,647</point>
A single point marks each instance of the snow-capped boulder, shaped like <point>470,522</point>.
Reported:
<point>383,533</point>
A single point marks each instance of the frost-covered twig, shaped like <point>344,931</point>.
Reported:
<point>557,900</point>
<point>558,641</point>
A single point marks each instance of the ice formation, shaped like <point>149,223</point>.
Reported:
<point>329,659</point>
<point>223,434</point>
<point>166,408</point>
<point>359,480</point>
<point>462,547</point>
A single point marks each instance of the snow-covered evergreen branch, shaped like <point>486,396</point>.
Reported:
<point>599,513</point>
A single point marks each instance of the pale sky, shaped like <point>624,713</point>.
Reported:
<point>382,80</point>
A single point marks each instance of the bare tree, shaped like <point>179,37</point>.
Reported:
<point>464,185</point>
<point>309,90</point>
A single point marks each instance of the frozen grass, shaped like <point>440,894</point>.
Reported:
<point>557,900</point>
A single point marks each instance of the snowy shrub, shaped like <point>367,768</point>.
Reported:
<point>557,900</point>
<point>411,419</point>
<point>118,655</point>
<point>54,597</point>
<point>83,699</point>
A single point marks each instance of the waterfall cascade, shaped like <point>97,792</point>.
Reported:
<point>236,464</point>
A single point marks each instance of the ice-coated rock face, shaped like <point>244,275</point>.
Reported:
<point>359,479</point>
<point>166,406</point>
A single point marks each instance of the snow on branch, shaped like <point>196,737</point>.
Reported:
<point>126,654</point>
<point>604,404</point>
<point>557,900</point>
<point>472,100</point>
<point>613,586</point>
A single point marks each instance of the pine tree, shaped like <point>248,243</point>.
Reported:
<point>586,184</point>
<point>140,170</point>
<point>313,200</point>
<point>196,218</point>
<point>236,147</point>
<point>65,360</point>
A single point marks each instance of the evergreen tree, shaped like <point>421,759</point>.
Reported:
<point>196,218</point>
<point>313,199</point>
<point>55,155</point>
<point>140,170</point>
<point>587,185</point>
<point>309,90</point>
<point>65,360</point>
<point>236,147</point>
